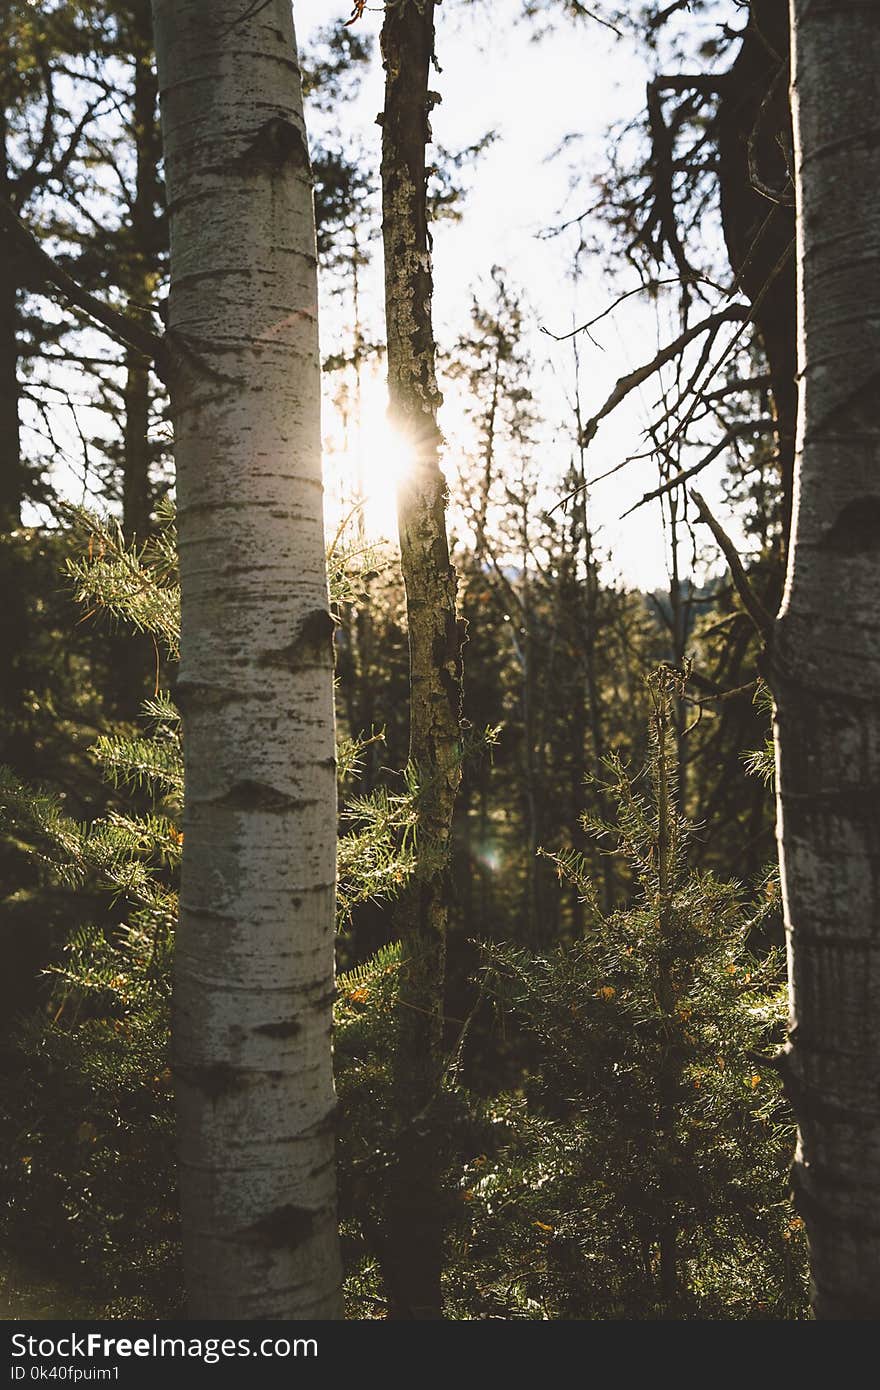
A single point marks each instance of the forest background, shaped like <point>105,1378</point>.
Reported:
<point>596,647</point>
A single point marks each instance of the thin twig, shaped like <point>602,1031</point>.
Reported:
<point>733,313</point>
<point>649,286</point>
<point>676,479</point>
<point>750,601</point>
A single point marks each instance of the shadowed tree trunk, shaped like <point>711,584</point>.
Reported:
<point>754,137</point>
<point>147,236</point>
<point>413,1258</point>
<point>254,955</point>
<point>11,473</point>
<point>588,602</point>
<point>826,659</point>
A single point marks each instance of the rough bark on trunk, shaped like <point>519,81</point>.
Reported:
<point>412,1262</point>
<point>826,659</point>
<point>134,656</point>
<point>11,472</point>
<point>754,130</point>
<point>146,246</point>
<point>254,955</point>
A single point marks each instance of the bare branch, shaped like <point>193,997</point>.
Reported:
<point>750,601</point>
<point>707,82</point>
<point>662,150</point>
<point>774,195</point>
<point>33,177</point>
<point>650,286</point>
<point>740,383</point>
<point>123,329</point>
<point>733,313</point>
<point>742,427</point>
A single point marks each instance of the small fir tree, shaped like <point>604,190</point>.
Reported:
<point>642,1171</point>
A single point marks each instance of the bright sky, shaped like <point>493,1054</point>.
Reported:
<point>578,80</point>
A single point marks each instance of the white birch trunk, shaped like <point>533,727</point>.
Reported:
<point>254,956</point>
<point>826,657</point>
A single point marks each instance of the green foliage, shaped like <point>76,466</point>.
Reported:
<point>135,584</point>
<point>51,676</point>
<point>365,1030</point>
<point>642,1171</point>
<point>375,858</point>
<point>761,762</point>
<point>88,1138</point>
<point>88,1109</point>
<point>372,1127</point>
<point>637,1168</point>
<point>87,1155</point>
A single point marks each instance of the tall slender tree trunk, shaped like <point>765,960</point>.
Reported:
<point>254,956</point>
<point>11,472</point>
<point>679,612</point>
<point>826,659</point>
<point>136,501</point>
<point>134,656</point>
<point>146,246</point>
<point>363,633</point>
<point>415,1222</point>
<point>577,711</point>
<point>590,625</point>
<point>663,690</point>
<point>531,797</point>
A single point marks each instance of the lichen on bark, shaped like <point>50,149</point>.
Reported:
<point>412,1253</point>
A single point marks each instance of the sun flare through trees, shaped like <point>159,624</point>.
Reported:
<point>440,668</point>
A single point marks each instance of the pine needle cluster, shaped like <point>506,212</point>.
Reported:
<point>88,1147</point>
<point>641,1172</point>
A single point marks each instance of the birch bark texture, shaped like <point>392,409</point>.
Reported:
<point>413,1258</point>
<point>254,956</point>
<point>825,663</point>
